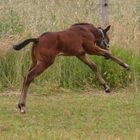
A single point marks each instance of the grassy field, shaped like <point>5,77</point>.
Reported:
<point>21,19</point>
<point>24,19</point>
<point>64,73</point>
<point>68,104</point>
<point>91,115</point>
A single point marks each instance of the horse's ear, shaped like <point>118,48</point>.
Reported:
<point>107,28</point>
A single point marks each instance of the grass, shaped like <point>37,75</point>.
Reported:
<point>69,75</point>
<point>59,115</point>
<point>23,19</point>
<point>32,18</point>
<point>10,24</point>
<point>72,116</point>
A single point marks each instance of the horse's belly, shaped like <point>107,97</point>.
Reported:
<point>72,50</point>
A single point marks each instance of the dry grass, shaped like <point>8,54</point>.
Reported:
<point>53,15</point>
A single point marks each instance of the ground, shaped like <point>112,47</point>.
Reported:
<point>90,115</point>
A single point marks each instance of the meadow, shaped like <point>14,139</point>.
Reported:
<point>66,102</point>
<point>62,115</point>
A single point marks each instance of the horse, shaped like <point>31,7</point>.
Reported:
<point>78,40</point>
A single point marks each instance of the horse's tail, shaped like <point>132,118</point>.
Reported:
<point>24,43</point>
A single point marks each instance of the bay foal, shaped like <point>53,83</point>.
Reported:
<point>78,40</point>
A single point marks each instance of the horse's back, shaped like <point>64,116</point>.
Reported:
<point>69,41</point>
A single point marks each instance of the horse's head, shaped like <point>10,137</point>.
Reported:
<point>103,41</point>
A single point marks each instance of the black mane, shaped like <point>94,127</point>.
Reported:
<point>76,24</point>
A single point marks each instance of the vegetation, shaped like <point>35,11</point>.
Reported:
<point>64,73</point>
<point>72,116</point>
<point>55,110</point>
<point>23,19</point>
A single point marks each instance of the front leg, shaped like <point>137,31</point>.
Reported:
<point>94,68</point>
<point>108,55</point>
<point>119,61</point>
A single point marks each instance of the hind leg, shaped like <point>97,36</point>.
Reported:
<point>34,60</point>
<point>32,74</point>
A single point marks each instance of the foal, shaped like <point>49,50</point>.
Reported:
<point>78,40</point>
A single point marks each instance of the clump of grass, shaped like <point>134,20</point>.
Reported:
<point>69,72</point>
<point>10,24</point>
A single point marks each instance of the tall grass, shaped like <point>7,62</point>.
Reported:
<point>68,72</point>
<point>34,17</point>
<point>21,19</point>
<point>10,23</point>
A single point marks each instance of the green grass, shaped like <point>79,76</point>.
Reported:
<point>10,24</point>
<point>69,72</point>
<point>22,19</point>
<point>67,115</point>
<point>72,116</point>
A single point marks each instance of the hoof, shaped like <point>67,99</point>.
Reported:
<point>21,108</point>
<point>127,67</point>
<point>22,111</point>
<point>107,89</point>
